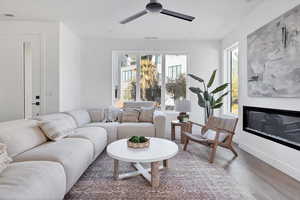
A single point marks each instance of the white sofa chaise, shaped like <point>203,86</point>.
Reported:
<point>43,169</point>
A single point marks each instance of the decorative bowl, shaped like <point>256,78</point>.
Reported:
<point>138,142</point>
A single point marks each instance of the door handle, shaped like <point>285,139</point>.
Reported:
<point>37,103</point>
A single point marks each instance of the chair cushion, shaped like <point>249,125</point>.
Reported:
<point>97,115</point>
<point>211,135</point>
<point>74,154</point>
<point>126,130</point>
<point>56,129</point>
<point>4,158</point>
<point>80,116</point>
<point>96,135</point>
<point>33,180</point>
<point>110,127</point>
<point>146,114</point>
<point>21,135</point>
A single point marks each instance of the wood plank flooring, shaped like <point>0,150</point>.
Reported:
<point>263,181</point>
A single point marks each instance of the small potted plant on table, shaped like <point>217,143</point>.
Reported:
<point>138,142</point>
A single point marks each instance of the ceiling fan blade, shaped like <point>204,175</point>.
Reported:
<point>177,15</point>
<point>133,17</point>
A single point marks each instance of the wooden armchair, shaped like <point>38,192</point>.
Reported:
<point>216,132</point>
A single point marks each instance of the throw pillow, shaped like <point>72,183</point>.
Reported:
<point>97,115</point>
<point>211,135</point>
<point>146,114</point>
<point>4,158</point>
<point>130,115</point>
<point>56,129</point>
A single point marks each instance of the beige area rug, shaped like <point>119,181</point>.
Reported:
<point>189,177</point>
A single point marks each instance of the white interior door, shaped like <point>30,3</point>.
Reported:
<point>20,77</point>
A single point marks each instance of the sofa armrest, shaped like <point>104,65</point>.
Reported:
<point>159,120</point>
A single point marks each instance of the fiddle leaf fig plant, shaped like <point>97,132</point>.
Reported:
<point>209,98</point>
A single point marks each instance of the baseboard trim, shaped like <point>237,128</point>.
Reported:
<point>285,168</point>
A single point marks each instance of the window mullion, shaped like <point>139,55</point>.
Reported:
<point>138,77</point>
<point>163,82</point>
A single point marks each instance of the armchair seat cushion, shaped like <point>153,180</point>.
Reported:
<point>211,135</point>
<point>33,180</point>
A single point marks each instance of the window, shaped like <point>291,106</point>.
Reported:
<point>231,76</point>
<point>149,77</point>
<point>128,79</point>
<point>176,71</point>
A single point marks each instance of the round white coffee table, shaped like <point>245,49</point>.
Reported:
<point>159,150</point>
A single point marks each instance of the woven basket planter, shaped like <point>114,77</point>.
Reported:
<point>138,145</point>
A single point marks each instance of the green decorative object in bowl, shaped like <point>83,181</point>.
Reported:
<point>138,142</point>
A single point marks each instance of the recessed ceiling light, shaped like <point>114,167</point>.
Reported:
<point>8,15</point>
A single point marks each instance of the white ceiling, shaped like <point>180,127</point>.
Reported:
<point>99,18</point>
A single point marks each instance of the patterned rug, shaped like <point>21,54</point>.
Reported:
<point>188,177</point>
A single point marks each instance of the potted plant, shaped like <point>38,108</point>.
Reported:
<point>208,98</point>
<point>138,142</point>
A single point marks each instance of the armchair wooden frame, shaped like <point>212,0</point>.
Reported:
<point>217,124</point>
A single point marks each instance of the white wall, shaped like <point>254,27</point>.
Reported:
<point>96,70</point>
<point>69,69</point>
<point>277,155</point>
<point>49,32</point>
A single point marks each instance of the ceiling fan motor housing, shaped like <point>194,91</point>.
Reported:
<point>154,7</point>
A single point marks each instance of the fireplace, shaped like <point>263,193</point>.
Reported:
<point>281,126</point>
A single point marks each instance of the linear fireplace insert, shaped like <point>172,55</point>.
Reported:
<point>281,126</point>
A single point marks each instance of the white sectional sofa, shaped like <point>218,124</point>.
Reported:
<point>43,169</point>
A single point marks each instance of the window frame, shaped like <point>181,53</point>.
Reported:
<point>138,55</point>
<point>227,77</point>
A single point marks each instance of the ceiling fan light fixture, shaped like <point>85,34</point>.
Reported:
<point>154,7</point>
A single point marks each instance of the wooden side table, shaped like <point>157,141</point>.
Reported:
<point>182,126</point>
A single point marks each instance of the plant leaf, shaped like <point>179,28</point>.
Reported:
<point>195,90</point>
<point>206,96</point>
<point>212,79</point>
<point>220,99</point>
<point>201,101</point>
<point>196,78</point>
<point>217,106</point>
<point>220,88</point>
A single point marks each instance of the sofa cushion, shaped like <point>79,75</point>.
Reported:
<point>95,135</point>
<point>97,115</point>
<point>110,127</point>
<point>33,180</point>
<point>59,116</point>
<point>130,115</point>
<point>56,129</point>
<point>74,154</point>
<point>126,130</point>
<point>4,158</point>
<point>21,135</point>
<point>146,114</point>
<point>80,116</point>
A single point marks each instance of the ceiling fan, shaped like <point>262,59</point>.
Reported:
<point>155,7</point>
